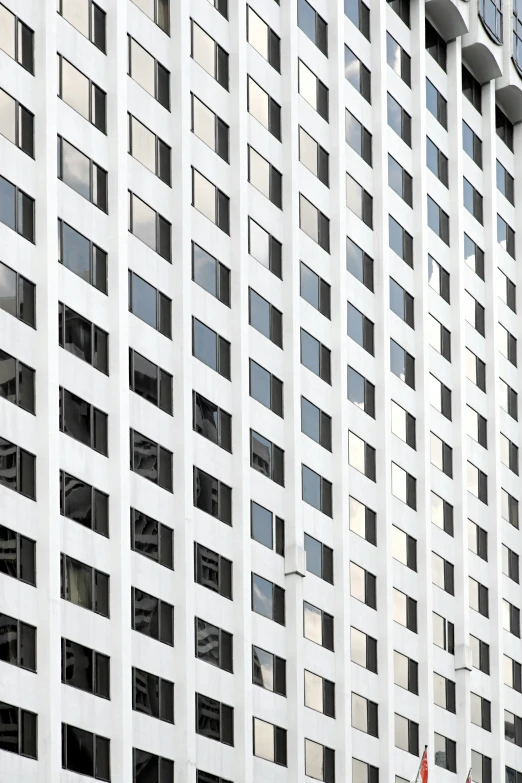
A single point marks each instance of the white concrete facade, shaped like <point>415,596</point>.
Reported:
<point>493,64</point>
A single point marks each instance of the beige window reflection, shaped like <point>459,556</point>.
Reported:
<point>312,623</point>
<point>308,151</point>
<point>357,582</point>
<point>204,196</point>
<point>358,647</point>
<point>398,421</point>
<point>76,12</point>
<point>263,739</point>
<point>144,222</point>
<point>257,33</point>
<point>435,451</point>
<point>504,449</point>
<point>314,760</point>
<point>399,607</point>
<point>471,366</point>
<point>437,510</point>
<point>398,482</point>
<point>313,685</point>
<point>308,218</point>
<point>435,391</point>
<point>307,84</point>
<point>259,172</point>
<point>76,169</point>
<point>400,669</point>
<point>203,122</point>
<point>356,448</point>
<point>7,31</point>
<point>437,570</point>
<point>142,144</point>
<point>7,116</point>
<point>142,67</point>
<point>147,6</point>
<point>259,243</point>
<point>472,479</point>
<point>257,102</point>
<point>401,732</point>
<point>203,49</point>
<point>439,690</point>
<point>434,333</point>
<point>399,547</point>
<point>357,517</point>
<point>75,89</point>
<point>359,712</point>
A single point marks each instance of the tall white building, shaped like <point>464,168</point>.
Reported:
<point>259,472</point>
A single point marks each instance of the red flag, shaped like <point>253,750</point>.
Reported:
<point>468,779</point>
<point>423,771</point>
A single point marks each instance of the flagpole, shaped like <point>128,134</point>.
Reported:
<point>420,765</point>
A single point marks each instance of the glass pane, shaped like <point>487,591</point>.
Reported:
<point>257,33</point>
<point>143,222</point>
<point>78,666</point>
<point>313,760</point>
<point>263,739</point>
<point>262,525</point>
<point>7,31</point>
<point>204,347</point>
<point>147,6</point>
<point>203,49</point>
<point>204,269</point>
<point>204,196</point>
<point>203,123</point>
<point>257,102</point>
<point>75,89</point>
<point>77,13</point>
<point>313,623</point>
<point>76,252</point>
<point>263,668</point>
<point>7,203</point>
<point>7,116</point>
<point>262,596</point>
<point>142,67</point>
<point>307,85</point>
<point>143,144</point>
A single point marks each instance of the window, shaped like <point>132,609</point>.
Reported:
<point>83,422</point>
<point>508,290</point>
<point>509,453</point>
<point>443,633</point>
<point>471,144</point>
<point>476,426</point>
<point>402,364</point>
<point>477,482</point>
<point>85,669</point>
<point>480,709</point>
<point>361,456</point>
<point>316,424</point>
<point>152,617</point>
<point>481,765</point>
<point>436,104</point>
<point>210,201</point>
<point>435,45</point>
<point>360,329</point>
<point>478,597</point>
<point>315,356</point>
<point>315,290</point>
<point>361,392</point>
<point>152,539</point>
<point>17,210</point>
<point>313,156</point>
<point>265,318</point>
<point>401,303</point>
<point>213,645</point>
<point>477,540</point>
<point>402,9</point>
<point>212,571</point>
<point>406,735</point>
<point>17,556</point>
<point>314,223</point>
<point>439,337</point>
<point>88,18</point>
<point>81,256</point>
<point>319,558</point>
<point>265,248</point>
<point>84,504</point>
<point>400,181</point>
<point>158,12</point>
<point>475,370</point>
<point>505,183</point>
<point>146,71</point>
<point>445,752</point>
<point>83,339</point>
<point>149,150</point>
<point>316,491</point>
<point>268,599</point>
<point>318,626</point>
<point>508,399</point>
<point>490,12</point>
<point>438,220</point>
<point>357,137</point>
<point>441,513</point>
<point>505,236</point>
<point>441,455</point>
<point>363,521</point>
<point>263,39</point>
<point>444,693</point>
<point>438,279</point>
<point>268,671</point>
<point>150,460</point>
<point>16,382</point>
<point>263,107</point>
<point>81,94</point>
<point>319,762</point>
<point>512,728</point>
<point>319,694</point>
<point>436,161</point>
<point>17,39</point>
<point>82,174</point>
<point>211,421</point>
<point>359,264</point>
<point>150,381</point>
<point>19,643</point>
<point>262,528</point>
<point>210,274</point>
<point>507,344</point>
<point>207,53</point>
<point>359,201</point>
<point>509,508</point>
<point>17,295</point>
<point>440,396</point>
<point>442,573</point>
<point>363,585</point>
<point>405,672</point>
<point>214,719</point>
<point>358,12</point>
<point>19,727</point>
<point>473,201</point>
<point>399,120</point>
<point>512,673</point>
<point>150,305</point>
<point>313,90</point>
<point>147,766</point>
<point>210,348</point>
<point>16,123</point>
<point>149,226</point>
<point>504,128</point>
<point>212,496</point>
<point>266,388</point>
<point>152,695</point>
<point>511,618</point>
<point>357,74</point>
<point>313,25</point>
<point>84,586</point>
<point>471,88</point>
<point>404,610</point>
<point>366,773</point>
<point>365,715</point>
<point>267,458</point>
<point>363,650</point>
<point>265,177</point>
<point>474,256</point>
<point>400,241</point>
<point>512,776</point>
<point>269,742</point>
<point>398,59</point>
<point>404,548</point>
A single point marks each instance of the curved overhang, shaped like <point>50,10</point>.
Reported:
<point>481,61</point>
<point>509,98</point>
<point>447,18</point>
